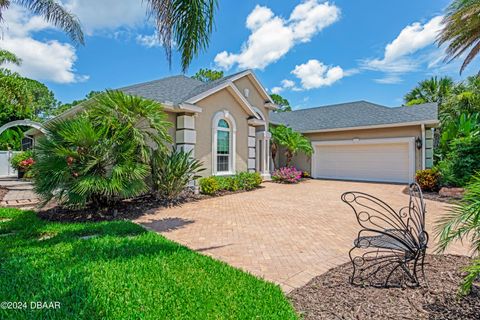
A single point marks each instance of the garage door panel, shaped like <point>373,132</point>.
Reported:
<point>371,162</point>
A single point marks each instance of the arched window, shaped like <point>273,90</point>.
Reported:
<point>223,143</point>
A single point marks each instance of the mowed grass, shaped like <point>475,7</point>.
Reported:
<point>118,270</point>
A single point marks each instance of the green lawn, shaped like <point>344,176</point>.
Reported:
<point>124,272</point>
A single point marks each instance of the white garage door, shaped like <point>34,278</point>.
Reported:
<point>365,161</point>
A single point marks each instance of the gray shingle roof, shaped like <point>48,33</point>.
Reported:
<point>176,89</point>
<point>353,114</point>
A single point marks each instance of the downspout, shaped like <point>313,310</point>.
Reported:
<point>423,147</point>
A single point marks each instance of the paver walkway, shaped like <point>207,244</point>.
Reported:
<point>287,234</point>
<point>20,193</point>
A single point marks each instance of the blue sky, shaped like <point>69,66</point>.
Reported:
<point>311,52</point>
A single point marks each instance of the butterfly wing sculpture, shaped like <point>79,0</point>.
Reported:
<point>390,248</point>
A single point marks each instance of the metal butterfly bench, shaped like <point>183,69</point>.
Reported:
<point>390,248</point>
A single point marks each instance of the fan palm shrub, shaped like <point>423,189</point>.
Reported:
<point>172,171</point>
<point>133,119</point>
<point>463,222</point>
<point>102,155</point>
<point>77,164</point>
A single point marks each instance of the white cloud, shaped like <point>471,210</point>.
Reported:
<point>404,53</point>
<point>272,36</point>
<point>389,79</point>
<point>104,15</point>
<point>49,60</point>
<point>285,84</point>
<point>149,41</point>
<point>314,74</point>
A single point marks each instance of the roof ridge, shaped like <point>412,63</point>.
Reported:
<point>157,80</point>
<point>342,103</point>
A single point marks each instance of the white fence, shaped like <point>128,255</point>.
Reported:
<point>6,169</point>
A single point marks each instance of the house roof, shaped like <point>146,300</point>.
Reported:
<point>176,89</point>
<point>354,114</point>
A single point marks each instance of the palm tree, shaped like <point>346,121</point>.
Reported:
<point>430,90</point>
<point>185,23</point>
<point>52,12</point>
<point>461,31</point>
<point>292,141</point>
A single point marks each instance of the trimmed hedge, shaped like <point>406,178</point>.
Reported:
<point>241,181</point>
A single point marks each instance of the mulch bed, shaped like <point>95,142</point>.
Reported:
<point>331,296</point>
<point>3,192</point>
<point>123,210</point>
<point>434,196</point>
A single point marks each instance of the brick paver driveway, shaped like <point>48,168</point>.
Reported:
<point>287,234</point>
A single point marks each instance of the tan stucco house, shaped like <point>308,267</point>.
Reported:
<point>225,123</point>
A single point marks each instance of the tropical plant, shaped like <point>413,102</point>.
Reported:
<point>18,158</point>
<point>131,119</point>
<point>53,13</point>
<point>463,126</point>
<point>430,90</point>
<point>172,171</point>
<point>281,102</point>
<point>11,139</point>
<point>428,179</point>
<point>461,161</point>
<point>287,175</point>
<point>292,141</point>
<point>81,163</point>
<point>101,155</point>
<point>209,185</point>
<point>461,25</point>
<point>463,222</point>
<point>208,75</point>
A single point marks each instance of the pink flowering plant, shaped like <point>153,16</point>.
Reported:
<point>287,175</point>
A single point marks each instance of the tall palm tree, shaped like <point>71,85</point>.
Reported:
<point>430,90</point>
<point>461,31</point>
<point>186,24</point>
<point>293,142</point>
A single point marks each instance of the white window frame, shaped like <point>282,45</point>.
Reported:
<point>227,116</point>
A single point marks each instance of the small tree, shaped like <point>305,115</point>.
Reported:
<point>281,102</point>
<point>291,140</point>
<point>208,75</point>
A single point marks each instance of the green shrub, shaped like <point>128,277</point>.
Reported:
<point>240,181</point>
<point>19,157</point>
<point>461,162</point>
<point>428,179</point>
<point>171,172</point>
<point>227,183</point>
<point>209,185</point>
<point>248,180</point>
